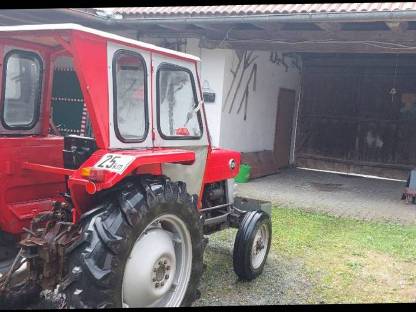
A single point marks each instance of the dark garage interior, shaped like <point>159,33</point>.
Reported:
<point>357,114</point>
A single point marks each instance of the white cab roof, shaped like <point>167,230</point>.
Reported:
<point>107,35</point>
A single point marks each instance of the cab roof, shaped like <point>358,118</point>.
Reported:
<point>23,32</point>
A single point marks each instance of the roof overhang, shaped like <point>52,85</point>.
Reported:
<point>361,32</point>
<point>375,31</point>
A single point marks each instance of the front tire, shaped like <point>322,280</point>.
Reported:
<point>252,245</point>
<point>144,249</point>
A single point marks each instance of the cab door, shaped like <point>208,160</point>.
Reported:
<point>129,95</point>
<point>178,117</point>
<point>23,193</point>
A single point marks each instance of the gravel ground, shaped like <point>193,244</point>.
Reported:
<point>339,195</point>
<point>283,281</point>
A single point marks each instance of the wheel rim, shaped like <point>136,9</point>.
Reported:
<point>259,247</point>
<point>158,268</point>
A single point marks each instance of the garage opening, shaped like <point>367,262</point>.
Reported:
<point>357,114</point>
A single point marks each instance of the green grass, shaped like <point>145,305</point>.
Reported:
<point>349,260</point>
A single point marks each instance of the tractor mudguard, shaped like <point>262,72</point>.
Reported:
<point>115,165</point>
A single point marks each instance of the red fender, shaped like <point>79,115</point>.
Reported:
<point>144,161</point>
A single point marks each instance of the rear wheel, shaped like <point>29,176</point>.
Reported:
<point>252,244</point>
<point>144,249</point>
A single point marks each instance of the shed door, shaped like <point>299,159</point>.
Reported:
<point>284,120</point>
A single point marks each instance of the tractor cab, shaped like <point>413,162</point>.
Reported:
<point>105,156</point>
<point>68,92</point>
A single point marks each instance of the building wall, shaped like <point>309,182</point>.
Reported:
<point>251,84</point>
<point>251,88</point>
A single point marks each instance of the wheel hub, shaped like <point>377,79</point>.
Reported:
<point>259,245</point>
<point>258,251</point>
<point>161,270</point>
<point>159,266</point>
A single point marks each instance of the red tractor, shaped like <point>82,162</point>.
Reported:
<point>108,180</point>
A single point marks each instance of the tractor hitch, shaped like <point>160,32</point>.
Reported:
<point>50,237</point>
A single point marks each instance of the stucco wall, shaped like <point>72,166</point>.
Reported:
<point>250,129</point>
<point>251,89</point>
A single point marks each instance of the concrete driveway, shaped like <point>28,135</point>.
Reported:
<point>336,194</point>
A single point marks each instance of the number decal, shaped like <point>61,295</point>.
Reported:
<point>101,165</point>
<point>114,162</point>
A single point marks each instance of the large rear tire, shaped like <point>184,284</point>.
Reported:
<point>144,249</point>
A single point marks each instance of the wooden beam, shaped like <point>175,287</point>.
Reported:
<point>303,47</point>
<point>342,35</point>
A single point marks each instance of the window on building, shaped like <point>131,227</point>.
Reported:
<point>22,87</point>
<point>177,103</point>
<point>130,96</point>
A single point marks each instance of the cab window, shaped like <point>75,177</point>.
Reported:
<point>68,109</point>
<point>22,79</point>
<point>130,96</point>
<point>178,114</point>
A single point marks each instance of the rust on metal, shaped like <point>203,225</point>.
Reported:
<point>44,249</point>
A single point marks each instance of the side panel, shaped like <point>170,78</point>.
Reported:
<point>192,175</point>
<point>24,193</point>
<point>90,61</point>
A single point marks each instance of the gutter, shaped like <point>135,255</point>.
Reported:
<point>296,17</point>
<point>88,16</point>
<point>390,16</point>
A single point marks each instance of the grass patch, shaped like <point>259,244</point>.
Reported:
<point>349,260</point>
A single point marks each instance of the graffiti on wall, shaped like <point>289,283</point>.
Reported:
<point>244,79</point>
<point>283,60</point>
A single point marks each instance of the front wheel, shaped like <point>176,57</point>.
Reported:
<point>252,244</point>
<point>144,250</point>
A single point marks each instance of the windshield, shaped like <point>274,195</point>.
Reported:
<point>21,83</point>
